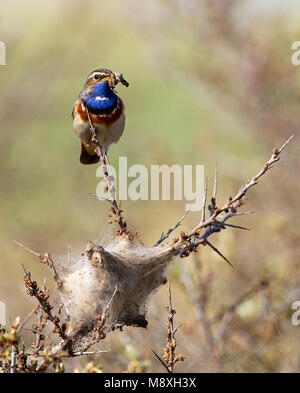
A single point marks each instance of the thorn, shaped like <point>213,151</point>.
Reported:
<point>28,249</point>
<point>215,184</point>
<point>24,269</point>
<point>177,327</point>
<point>242,213</point>
<point>236,226</point>
<point>204,203</point>
<point>219,253</point>
<point>284,145</point>
<point>161,361</point>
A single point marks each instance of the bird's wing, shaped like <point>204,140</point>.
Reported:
<point>73,110</point>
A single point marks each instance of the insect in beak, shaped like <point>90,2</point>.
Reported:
<point>120,79</point>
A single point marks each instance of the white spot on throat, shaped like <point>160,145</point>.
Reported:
<point>101,98</point>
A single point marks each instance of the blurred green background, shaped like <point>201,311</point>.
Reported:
<point>210,81</point>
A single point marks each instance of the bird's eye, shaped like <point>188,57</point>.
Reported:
<point>96,76</point>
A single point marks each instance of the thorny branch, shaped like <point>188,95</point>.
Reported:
<point>169,358</point>
<point>216,222</point>
<point>42,296</point>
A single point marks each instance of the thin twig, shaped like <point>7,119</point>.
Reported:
<point>164,237</point>
<point>86,353</point>
<point>23,323</point>
<point>46,259</point>
<point>114,208</point>
<point>13,366</point>
<point>169,351</point>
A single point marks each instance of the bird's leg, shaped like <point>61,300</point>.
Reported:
<point>107,160</point>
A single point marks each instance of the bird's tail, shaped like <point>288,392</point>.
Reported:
<point>86,158</point>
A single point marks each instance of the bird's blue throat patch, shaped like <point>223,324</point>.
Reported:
<point>102,99</point>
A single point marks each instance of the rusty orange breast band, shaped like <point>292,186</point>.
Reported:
<point>106,119</point>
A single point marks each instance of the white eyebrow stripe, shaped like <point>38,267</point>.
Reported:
<point>97,73</point>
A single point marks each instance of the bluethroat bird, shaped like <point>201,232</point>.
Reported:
<point>99,106</point>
